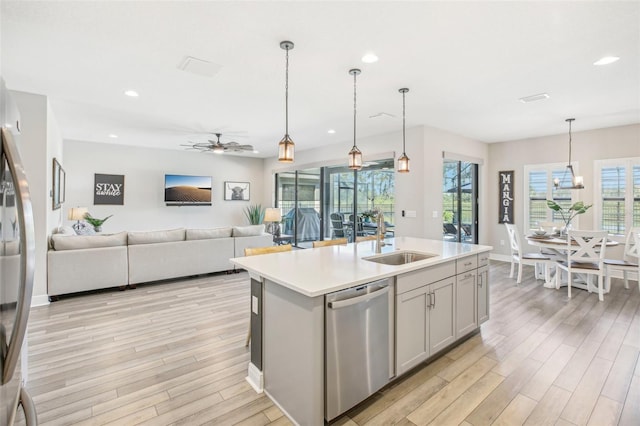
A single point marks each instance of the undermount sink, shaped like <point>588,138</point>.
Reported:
<point>400,257</point>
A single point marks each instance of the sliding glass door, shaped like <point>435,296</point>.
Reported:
<point>298,196</point>
<point>460,201</point>
<point>334,202</point>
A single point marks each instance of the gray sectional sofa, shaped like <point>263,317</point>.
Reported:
<point>90,262</point>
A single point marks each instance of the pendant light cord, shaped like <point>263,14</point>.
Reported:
<point>354,109</point>
<point>570,142</point>
<point>286,93</point>
<point>403,124</point>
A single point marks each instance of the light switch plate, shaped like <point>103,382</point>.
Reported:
<point>410,213</point>
<point>435,214</point>
<point>254,305</point>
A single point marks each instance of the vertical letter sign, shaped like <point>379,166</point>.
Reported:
<point>506,196</point>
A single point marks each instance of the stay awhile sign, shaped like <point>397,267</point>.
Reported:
<point>505,184</point>
<point>108,189</point>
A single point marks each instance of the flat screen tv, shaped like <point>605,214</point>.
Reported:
<point>182,190</point>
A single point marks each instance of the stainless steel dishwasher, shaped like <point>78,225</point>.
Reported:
<point>358,342</point>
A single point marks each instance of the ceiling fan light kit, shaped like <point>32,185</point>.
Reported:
<point>355,155</point>
<point>403,160</point>
<point>286,147</point>
<point>577,182</point>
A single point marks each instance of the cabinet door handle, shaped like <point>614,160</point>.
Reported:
<point>433,305</point>
<point>429,302</point>
<point>468,276</point>
<point>468,264</point>
<point>480,280</point>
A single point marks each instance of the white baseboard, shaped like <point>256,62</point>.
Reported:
<point>500,257</point>
<point>42,300</point>
<point>255,378</point>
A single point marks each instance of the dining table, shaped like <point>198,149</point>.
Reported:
<point>558,246</point>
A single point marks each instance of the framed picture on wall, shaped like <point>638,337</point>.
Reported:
<point>108,189</point>
<point>58,187</point>
<point>236,191</point>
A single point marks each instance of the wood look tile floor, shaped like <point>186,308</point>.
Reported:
<point>173,353</point>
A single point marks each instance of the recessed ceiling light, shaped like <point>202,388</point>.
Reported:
<point>533,98</point>
<point>112,136</point>
<point>331,131</point>
<point>369,58</point>
<point>255,151</point>
<point>131,93</point>
<point>606,60</point>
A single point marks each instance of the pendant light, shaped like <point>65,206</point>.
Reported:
<point>355,155</point>
<point>403,161</point>
<point>286,146</point>
<point>577,182</point>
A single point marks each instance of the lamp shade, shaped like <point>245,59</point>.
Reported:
<point>272,215</point>
<point>77,213</point>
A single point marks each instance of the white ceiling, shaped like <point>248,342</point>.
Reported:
<point>466,64</point>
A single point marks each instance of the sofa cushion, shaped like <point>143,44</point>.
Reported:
<point>77,242</point>
<point>152,237</point>
<point>248,231</point>
<point>207,234</point>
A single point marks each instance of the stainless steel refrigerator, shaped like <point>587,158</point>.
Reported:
<point>17,253</point>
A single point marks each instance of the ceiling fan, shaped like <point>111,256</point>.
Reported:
<point>218,147</point>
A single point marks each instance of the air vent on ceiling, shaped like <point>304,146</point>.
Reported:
<point>533,98</point>
<point>199,66</point>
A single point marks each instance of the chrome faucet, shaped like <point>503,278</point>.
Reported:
<point>381,229</point>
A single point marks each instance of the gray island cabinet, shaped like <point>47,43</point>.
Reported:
<point>432,304</point>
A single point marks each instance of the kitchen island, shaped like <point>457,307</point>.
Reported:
<point>432,303</point>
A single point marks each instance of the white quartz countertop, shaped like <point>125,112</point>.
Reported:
<point>315,272</point>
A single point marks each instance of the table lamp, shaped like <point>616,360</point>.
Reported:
<point>77,213</point>
<point>273,216</point>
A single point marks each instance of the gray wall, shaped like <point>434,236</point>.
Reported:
<point>588,146</point>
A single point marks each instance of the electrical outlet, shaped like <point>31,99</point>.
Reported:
<point>501,242</point>
<point>435,214</point>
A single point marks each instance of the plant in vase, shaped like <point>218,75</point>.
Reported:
<point>254,214</point>
<point>95,222</point>
<point>567,215</point>
<point>367,215</point>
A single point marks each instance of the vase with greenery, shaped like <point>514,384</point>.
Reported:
<point>254,213</point>
<point>567,215</point>
<point>368,215</point>
<point>95,222</point>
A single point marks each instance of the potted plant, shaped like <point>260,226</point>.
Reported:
<point>254,213</point>
<point>568,214</point>
<point>95,222</point>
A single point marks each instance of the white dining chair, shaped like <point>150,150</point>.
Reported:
<point>585,255</point>
<point>521,258</point>
<point>629,263</point>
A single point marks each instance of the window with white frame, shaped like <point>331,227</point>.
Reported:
<point>538,184</point>
<point>617,200</point>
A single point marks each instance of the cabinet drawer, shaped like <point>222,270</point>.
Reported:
<point>483,259</point>
<point>412,280</point>
<point>466,264</point>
